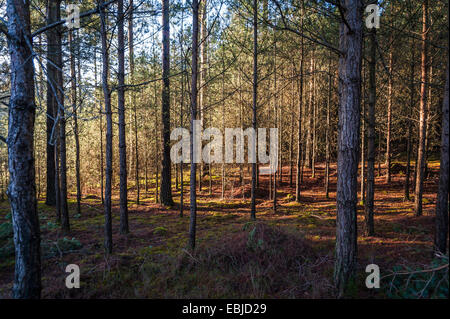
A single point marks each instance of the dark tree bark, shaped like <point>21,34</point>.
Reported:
<point>202,78</point>
<point>369,202</point>
<point>133,102</point>
<point>166,181</point>
<point>65,225</point>
<point>22,187</point>
<point>409,124</point>
<point>423,113</point>
<point>194,92</point>
<point>255,101</point>
<point>75,119</point>
<point>441,232</point>
<point>363,137</point>
<point>109,133</point>
<point>51,102</point>
<point>389,121</point>
<point>121,110</point>
<point>223,122</point>
<point>183,63</point>
<point>327,135</point>
<point>348,143</point>
<point>299,114</point>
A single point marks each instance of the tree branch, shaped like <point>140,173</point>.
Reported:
<point>301,33</point>
<point>3,139</point>
<point>82,15</point>
<point>3,28</point>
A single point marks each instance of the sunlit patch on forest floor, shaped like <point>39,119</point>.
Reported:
<point>287,254</point>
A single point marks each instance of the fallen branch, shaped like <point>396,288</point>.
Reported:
<point>417,271</point>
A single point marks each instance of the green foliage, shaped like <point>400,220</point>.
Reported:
<point>7,250</point>
<point>431,282</point>
<point>6,230</point>
<point>50,226</point>
<point>160,231</point>
<point>60,247</point>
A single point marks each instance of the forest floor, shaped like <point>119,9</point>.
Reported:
<point>287,254</point>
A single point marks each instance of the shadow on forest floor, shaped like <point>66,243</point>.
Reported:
<point>285,254</point>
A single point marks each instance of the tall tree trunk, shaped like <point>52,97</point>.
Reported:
<point>275,111</point>
<point>363,137</point>
<point>423,113</point>
<point>429,116</point>
<point>75,119</point>
<point>309,115</point>
<point>57,173</point>
<point>51,103</point>
<point>62,125</point>
<point>299,112</point>
<point>133,101</point>
<point>314,124</point>
<point>348,143</point>
<point>291,137</point>
<point>202,76</point>
<point>254,105</point>
<point>194,92</point>
<point>121,112</point>
<point>166,181</point>
<point>183,65</point>
<point>109,132</point>
<point>223,120</point>
<point>409,125</point>
<point>327,135</point>
<point>441,232</point>
<point>389,118</point>
<point>369,202</point>
<point>22,187</point>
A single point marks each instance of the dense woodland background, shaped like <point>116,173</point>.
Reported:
<point>85,147</point>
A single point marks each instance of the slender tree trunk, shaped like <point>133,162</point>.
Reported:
<point>57,174</point>
<point>429,116</point>
<point>348,143</point>
<point>51,102</point>
<point>166,180</point>
<point>133,101</point>
<point>389,120</point>
<point>314,122</point>
<point>275,111</point>
<point>223,120</point>
<point>183,65</point>
<point>369,202</point>
<point>75,119</point>
<point>254,105</point>
<point>202,77</point>
<point>121,112</point>
<point>309,115</point>
<point>327,135</point>
<point>291,137</point>
<point>62,125</point>
<point>423,114</point>
<point>363,140</point>
<point>109,132</point>
<point>194,92</point>
<point>299,113</point>
<point>22,186</point>
<point>409,124</point>
<point>441,232</point>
